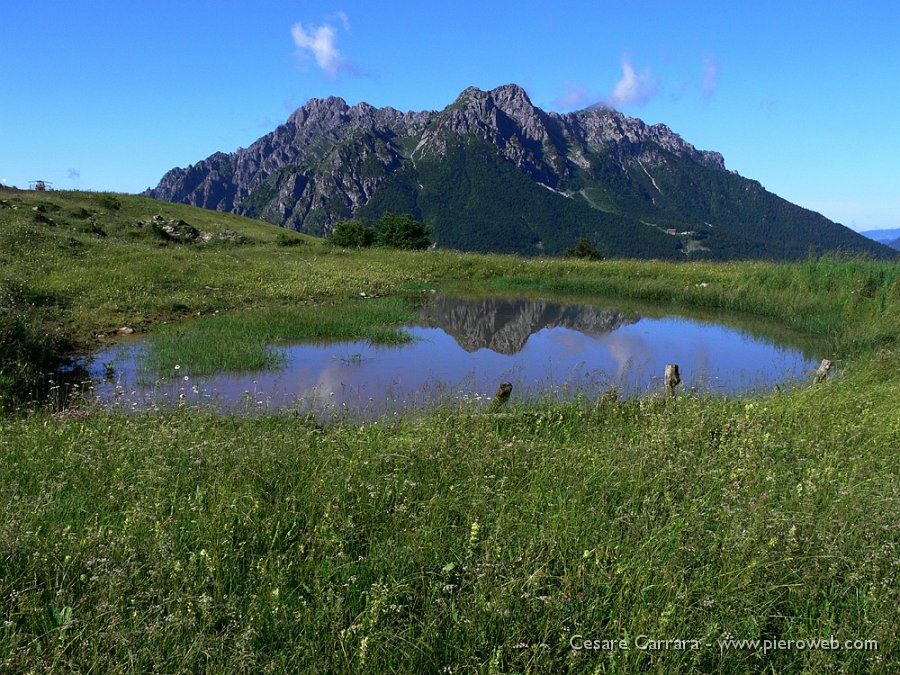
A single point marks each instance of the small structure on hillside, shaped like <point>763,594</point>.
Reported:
<point>40,185</point>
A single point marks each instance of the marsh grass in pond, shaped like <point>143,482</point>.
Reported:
<point>457,351</point>
<point>247,341</point>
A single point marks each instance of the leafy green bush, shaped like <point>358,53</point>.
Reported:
<point>585,249</point>
<point>285,239</point>
<point>351,234</point>
<point>401,231</point>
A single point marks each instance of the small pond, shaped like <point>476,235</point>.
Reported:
<point>463,348</point>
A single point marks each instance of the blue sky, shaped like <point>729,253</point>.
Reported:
<point>802,96</point>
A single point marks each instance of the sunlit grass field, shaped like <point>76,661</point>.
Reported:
<point>450,540</point>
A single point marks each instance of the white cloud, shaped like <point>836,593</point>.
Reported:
<point>634,88</point>
<point>710,76</point>
<point>321,42</point>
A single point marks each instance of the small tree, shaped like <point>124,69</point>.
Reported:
<point>584,249</point>
<point>351,234</point>
<point>401,231</point>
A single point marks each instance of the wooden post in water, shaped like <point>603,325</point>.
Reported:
<point>502,396</point>
<point>673,379</point>
<point>822,371</point>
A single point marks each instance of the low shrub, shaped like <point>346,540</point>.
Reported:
<point>285,239</point>
<point>351,234</point>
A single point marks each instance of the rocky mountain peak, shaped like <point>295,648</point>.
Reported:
<point>494,172</point>
<point>320,110</point>
<point>511,96</point>
<point>504,117</point>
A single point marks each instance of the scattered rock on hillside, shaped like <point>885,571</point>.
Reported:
<point>224,235</point>
<point>230,235</point>
<point>179,230</point>
<point>173,229</point>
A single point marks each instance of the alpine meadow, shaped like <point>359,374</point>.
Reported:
<point>518,384</point>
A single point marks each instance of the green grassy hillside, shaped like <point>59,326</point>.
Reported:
<point>443,541</point>
<point>118,214</point>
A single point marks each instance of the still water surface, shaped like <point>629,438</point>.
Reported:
<point>464,347</point>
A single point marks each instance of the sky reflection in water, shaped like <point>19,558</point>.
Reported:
<point>464,348</point>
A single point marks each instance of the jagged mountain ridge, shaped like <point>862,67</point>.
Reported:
<point>493,172</point>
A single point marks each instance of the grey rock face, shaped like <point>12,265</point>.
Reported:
<point>328,159</point>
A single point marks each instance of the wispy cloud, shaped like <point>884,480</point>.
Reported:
<point>574,96</point>
<point>321,43</point>
<point>341,16</point>
<point>710,76</point>
<point>74,174</point>
<point>634,88</point>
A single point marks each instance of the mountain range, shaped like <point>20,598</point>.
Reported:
<point>890,237</point>
<point>492,172</point>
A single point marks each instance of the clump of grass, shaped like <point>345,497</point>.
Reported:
<point>111,202</point>
<point>248,340</point>
<point>30,353</point>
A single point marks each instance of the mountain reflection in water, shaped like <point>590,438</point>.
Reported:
<point>463,348</point>
<point>504,325</point>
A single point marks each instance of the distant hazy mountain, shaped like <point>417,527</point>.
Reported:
<point>883,236</point>
<point>491,172</point>
<point>895,244</point>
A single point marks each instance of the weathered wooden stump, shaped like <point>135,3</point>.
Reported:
<point>502,396</point>
<point>822,370</point>
<point>672,379</point>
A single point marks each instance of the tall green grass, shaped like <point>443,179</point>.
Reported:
<point>465,543</point>
<point>31,352</point>
<point>819,296</point>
